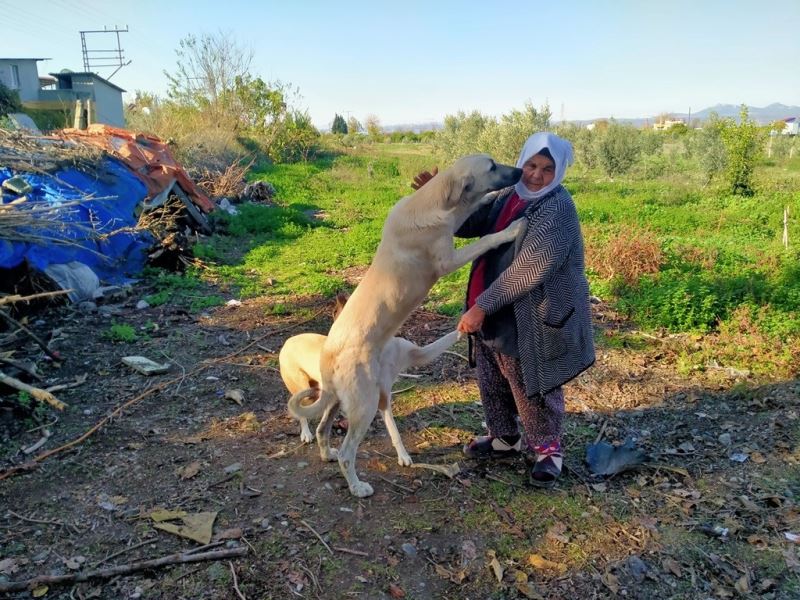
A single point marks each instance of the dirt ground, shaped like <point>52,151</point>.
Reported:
<point>713,516</point>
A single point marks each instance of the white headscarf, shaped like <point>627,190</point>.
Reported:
<point>561,151</point>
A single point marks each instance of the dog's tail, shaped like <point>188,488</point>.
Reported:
<point>422,356</point>
<point>313,410</point>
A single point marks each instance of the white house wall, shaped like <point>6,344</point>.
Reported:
<point>28,78</point>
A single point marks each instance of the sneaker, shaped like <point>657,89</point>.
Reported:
<point>492,447</point>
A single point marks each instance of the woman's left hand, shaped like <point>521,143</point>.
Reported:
<point>471,320</point>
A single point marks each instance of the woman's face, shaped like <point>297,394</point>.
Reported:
<point>538,172</point>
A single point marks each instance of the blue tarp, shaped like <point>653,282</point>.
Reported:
<point>118,192</point>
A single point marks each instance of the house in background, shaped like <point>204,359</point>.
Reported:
<point>792,126</point>
<point>21,75</point>
<point>98,97</point>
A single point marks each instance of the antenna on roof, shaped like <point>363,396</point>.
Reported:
<point>99,59</point>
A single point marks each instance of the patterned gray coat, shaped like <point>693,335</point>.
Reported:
<point>543,279</point>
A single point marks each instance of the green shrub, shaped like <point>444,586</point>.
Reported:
<point>742,148</point>
<point>9,101</point>
<point>617,149</point>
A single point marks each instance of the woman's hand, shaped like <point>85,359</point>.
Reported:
<point>423,178</point>
<point>471,320</point>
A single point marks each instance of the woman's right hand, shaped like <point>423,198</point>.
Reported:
<point>424,177</point>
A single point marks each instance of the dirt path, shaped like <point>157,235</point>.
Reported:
<point>719,518</point>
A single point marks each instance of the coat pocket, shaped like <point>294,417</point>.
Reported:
<point>559,338</point>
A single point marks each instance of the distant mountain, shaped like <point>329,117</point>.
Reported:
<point>764,115</point>
<point>761,115</point>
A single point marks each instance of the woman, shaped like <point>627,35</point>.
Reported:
<point>528,306</point>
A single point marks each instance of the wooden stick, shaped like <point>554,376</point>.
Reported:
<point>236,582</point>
<point>22,367</point>
<point>349,551</point>
<point>36,393</point>
<point>34,337</point>
<point>172,559</point>
<point>17,298</point>
<point>319,537</point>
<point>123,551</point>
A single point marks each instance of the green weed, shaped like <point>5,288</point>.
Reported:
<point>121,332</point>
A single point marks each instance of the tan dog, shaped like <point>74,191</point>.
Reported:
<point>299,364</point>
<point>416,249</point>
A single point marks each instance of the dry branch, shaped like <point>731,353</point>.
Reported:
<point>36,393</point>
<point>172,559</point>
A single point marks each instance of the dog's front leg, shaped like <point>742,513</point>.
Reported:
<point>470,252</point>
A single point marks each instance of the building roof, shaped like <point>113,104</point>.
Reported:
<point>70,74</point>
<point>17,58</point>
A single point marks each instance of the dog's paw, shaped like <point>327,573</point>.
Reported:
<point>404,460</point>
<point>330,454</point>
<point>516,227</point>
<point>306,436</point>
<point>361,489</point>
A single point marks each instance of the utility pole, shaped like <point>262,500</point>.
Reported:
<point>97,59</point>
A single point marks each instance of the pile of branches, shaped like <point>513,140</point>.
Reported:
<point>24,152</point>
<point>222,182</point>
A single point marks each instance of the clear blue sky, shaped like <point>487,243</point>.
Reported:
<point>414,61</point>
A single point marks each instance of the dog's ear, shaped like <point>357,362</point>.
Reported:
<point>457,186</point>
<point>341,300</point>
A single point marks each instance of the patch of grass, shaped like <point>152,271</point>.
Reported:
<point>121,332</point>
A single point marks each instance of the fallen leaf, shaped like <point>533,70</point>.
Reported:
<point>230,534</point>
<point>672,565</point>
<point>395,591</point>
<point>235,395</point>
<point>75,562</point>
<point>9,566</point>
<point>375,464</point>
<point>758,458</point>
<point>162,514</point>
<point>497,568</point>
<point>537,561</point>
<point>557,531</point>
<point>742,585</point>
<point>611,582</point>
<point>527,590</point>
<point>190,470</point>
<point>757,541</point>
<point>197,526</point>
<point>40,591</point>
<point>442,572</point>
<point>449,470</point>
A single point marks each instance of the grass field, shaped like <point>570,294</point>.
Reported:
<point>670,253</point>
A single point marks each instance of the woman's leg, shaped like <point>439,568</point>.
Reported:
<point>543,417</point>
<point>497,396</point>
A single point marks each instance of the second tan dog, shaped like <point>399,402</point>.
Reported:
<point>416,249</point>
<point>299,366</point>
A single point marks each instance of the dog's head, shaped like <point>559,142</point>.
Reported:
<point>472,177</point>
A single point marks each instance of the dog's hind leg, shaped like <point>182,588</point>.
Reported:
<point>403,458</point>
<point>361,404</point>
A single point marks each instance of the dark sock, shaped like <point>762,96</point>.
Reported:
<point>510,439</point>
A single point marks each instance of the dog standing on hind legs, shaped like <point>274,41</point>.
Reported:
<point>416,249</point>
